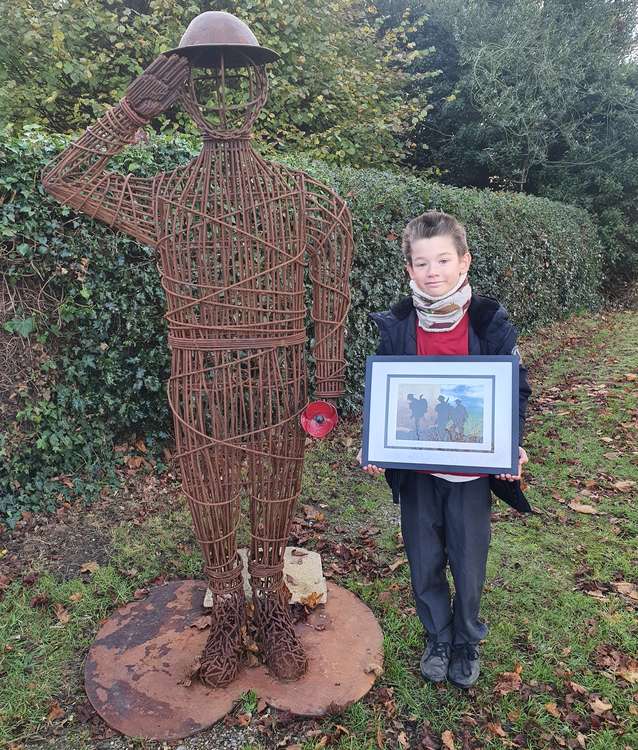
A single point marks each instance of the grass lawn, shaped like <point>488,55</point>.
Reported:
<point>560,664</point>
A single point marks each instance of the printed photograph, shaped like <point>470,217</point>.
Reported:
<point>441,412</point>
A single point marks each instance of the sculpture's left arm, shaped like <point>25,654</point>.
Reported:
<point>330,244</point>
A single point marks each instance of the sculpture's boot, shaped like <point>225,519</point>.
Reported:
<point>223,654</point>
<point>280,648</point>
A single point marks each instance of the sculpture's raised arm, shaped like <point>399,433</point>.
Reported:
<point>330,244</point>
<point>78,177</point>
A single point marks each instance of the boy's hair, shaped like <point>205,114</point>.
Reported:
<point>433,224</point>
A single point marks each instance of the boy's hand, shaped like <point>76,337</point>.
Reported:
<point>159,86</point>
<point>370,469</point>
<point>522,459</point>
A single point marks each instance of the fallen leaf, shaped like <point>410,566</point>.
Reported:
<point>201,623</point>
<point>495,728</point>
<point>298,552</point>
<point>89,567</point>
<point>374,668</point>
<point>627,588</point>
<point>134,462</point>
<point>312,600</point>
<point>624,485</point>
<point>578,688</point>
<point>599,706</point>
<point>397,564</point>
<point>62,614</point>
<point>312,514</point>
<point>509,682</point>
<point>380,738</point>
<point>141,446</point>
<point>4,582</point>
<point>610,658</point>
<point>76,597</point>
<point>55,712</point>
<point>596,594</point>
<point>583,508</point>
<point>403,740</point>
<point>631,376</point>
<point>552,709</point>
<point>629,672</point>
<point>40,600</point>
<point>428,739</point>
<point>611,455</point>
<point>370,531</point>
<point>447,738</point>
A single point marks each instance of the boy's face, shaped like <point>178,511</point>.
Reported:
<point>435,266</point>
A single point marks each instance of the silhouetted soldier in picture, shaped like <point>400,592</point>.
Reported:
<point>418,409</point>
<point>234,234</point>
<point>443,416</point>
<point>459,415</point>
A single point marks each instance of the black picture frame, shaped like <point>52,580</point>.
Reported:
<point>471,457</point>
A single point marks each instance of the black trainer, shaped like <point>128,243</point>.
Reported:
<point>435,660</point>
<point>465,665</point>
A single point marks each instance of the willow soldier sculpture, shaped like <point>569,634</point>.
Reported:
<point>234,233</point>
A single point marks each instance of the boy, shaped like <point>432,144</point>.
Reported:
<point>446,517</point>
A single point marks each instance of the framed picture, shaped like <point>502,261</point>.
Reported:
<point>442,414</point>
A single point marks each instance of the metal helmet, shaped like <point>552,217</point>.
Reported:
<point>214,34</point>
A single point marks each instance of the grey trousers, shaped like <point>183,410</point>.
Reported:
<point>445,522</point>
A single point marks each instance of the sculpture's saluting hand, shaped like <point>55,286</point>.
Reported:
<point>159,86</point>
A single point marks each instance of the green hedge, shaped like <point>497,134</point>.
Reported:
<point>103,359</point>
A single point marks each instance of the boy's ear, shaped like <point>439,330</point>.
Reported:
<point>466,262</point>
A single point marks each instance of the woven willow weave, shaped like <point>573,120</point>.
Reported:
<point>235,235</point>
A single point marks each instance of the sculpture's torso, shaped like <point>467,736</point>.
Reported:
<point>231,234</point>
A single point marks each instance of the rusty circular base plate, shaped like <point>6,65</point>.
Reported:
<point>145,650</point>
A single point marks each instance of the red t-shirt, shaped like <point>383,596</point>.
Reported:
<point>445,343</point>
<point>454,342</point>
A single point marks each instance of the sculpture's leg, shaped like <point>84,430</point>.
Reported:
<point>211,479</point>
<point>275,482</point>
